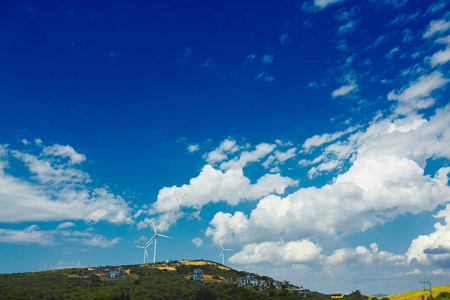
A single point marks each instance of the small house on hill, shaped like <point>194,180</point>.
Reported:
<point>336,295</point>
<point>198,274</point>
<point>82,271</point>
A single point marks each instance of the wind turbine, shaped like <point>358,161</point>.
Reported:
<point>145,250</point>
<point>155,238</point>
<point>223,253</point>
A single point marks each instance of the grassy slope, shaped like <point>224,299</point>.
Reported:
<point>417,295</point>
<point>154,281</point>
<point>145,282</point>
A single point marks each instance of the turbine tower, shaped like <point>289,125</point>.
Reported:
<point>145,250</point>
<point>155,238</point>
<point>223,253</point>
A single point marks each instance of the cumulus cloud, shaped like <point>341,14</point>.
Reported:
<point>348,27</point>
<point>433,249</point>
<point>214,185</point>
<point>440,57</point>
<point>279,157</point>
<point>324,3</point>
<point>361,255</point>
<point>319,140</point>
<point>198,242</point>
<point>64,151</point>
<point>30,235</point>
<point>228,146</point>
<point>66,225</point>
<point>246,157</point>
<point>193,148</point>
<point>55,191</point>
<point>386,179</point>
<point>278,252</point>
<point>344,90</point>
<point>417,94</point>
<point>435,27</point>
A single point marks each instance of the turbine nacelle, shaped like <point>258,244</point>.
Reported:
<point>223,253</point>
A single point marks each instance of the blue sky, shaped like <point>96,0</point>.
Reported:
<point>312,137</point>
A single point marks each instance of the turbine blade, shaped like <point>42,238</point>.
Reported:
<point>154,228</point>
<point>221,253</point>
<point>150,241</point>
<point>166,236</point>
<point>221,245</point>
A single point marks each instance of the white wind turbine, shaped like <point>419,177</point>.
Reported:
<point>145,250</point>
<point>155,238</point>
<point>223,253</point>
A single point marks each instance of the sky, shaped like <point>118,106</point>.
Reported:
<point>312,137</point>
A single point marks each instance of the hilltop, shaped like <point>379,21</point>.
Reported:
<point>169,280</point>
<point>420,294</point>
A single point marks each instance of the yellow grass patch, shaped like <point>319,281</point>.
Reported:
<point>159,267</point>
<point>417,295</point>
<point>196,263</point>
<point>223,268</point>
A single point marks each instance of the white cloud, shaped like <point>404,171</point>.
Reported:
<point>319,140</point>
<point>436,7</point>
<point>407,35</point>
<point>247,157</point>
<point>279,157</point>
<point>361,255</point>
<point>414,272</point>
<point>277,252</point>
<point>344,90</point>
<point>433,249</point>
<point>440,57</point>
<point>439,272</point>
<point>324,3</point>
<point>226,147</point>
<point>391,53</point>
<point>30,235</point>
<point>98,240</point>
<point>348,27</point>
<point>443,40</point>
<point>64,151</point>
<point>417,94</point>
<point>66,225</point>
<point>267,58</point>
<point>386,179</point>
<point>435,27</point>
<point>213,185</point>
<point>198,242</point>
<point>61,192</point>
<point>193,148</point>
<point>394,3</point>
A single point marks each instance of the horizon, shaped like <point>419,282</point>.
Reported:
<point>310,136</point>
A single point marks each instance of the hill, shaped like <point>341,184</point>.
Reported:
<point>420,294</point>
<point>171,280</point>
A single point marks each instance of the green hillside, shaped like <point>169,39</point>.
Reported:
<point>151,281</point>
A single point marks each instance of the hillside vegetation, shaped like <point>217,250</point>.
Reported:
<point>420,294</point>
<point>151,281</point>
<point>173,280</point>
